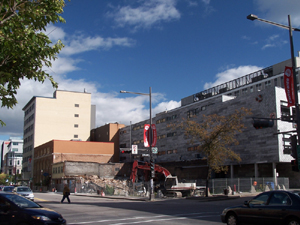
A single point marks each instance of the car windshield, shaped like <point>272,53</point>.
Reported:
<point>8,188</point>
<point>24,189</point>
<point>22,202</point>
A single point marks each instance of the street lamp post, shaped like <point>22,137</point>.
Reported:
<point>150,141</point>
<point>291,29</point>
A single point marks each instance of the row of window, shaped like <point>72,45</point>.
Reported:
<point>27,149</point>
<point>172,134</point>
<point>168,118</point>
<point>28,139</point>
<point>193,112</point>
<point>28,129</point>
<point>174,151</point>
<point>28,119</point>
<point>56,170</point>
<point>29,109</point>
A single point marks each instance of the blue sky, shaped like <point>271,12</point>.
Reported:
<point>177,47</point>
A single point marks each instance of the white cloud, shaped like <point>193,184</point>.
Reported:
<point>110,107</point>
<point>231,74</point>
<point>150,13</point>
<point>80,44</point>
<point>278,10</point>
<point>274,41</point>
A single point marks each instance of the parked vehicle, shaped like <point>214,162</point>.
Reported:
<point>8,188</point>
<point>25,192</point>
<point>15,210</point>
<point>272,207</point>
<point>1,187</point>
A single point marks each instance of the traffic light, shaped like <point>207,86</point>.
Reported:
<point>126,151</point>
<point>262,123</point>
<point>152,168</point>
<point>295,166</point>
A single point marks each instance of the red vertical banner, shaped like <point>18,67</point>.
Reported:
<point>289,85</point>
<point>147,135</point>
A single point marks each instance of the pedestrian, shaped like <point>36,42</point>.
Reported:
<point>66,193</point>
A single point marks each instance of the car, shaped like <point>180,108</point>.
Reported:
<point>271,207</point>
<point>8,188</point>
<point>24,191</point>
<point>15,210</point>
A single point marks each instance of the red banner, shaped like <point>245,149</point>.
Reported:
<point>289,85</point>
<point>147,135</point>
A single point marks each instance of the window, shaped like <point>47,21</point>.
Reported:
<point>171,134</point>
<point>75,135</point>
<point>280,199</point>
<point>192,112</point>
<point>275,82</point>
<point>244,91</point>
<point>161,153</point>
<point>268,83</point>
<point>76,125</point>
<point>76,115</point>
<point>258,87</point>
<point>251,89</point>
<point>76,105</point>
<point>260,199</point>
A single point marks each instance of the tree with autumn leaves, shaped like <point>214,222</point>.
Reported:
<point>25,48</point>
<point>216,135</point>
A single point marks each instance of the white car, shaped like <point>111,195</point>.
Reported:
<point>25,192</point>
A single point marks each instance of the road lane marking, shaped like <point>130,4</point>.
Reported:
<point>39,199</point>
<point>149,218</point>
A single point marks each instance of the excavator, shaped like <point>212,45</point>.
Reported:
<point>171,187</point>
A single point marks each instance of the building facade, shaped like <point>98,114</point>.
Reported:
<point>65,116</point>
<point>13,156</point>
<point>261,150</point>
<point>60,151</point>
<point>108,133</point>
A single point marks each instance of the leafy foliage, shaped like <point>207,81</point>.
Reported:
<point>215,135</point>
<point>3,178</point>
<point>24,47</point>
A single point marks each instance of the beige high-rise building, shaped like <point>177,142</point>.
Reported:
<point>65,116</point>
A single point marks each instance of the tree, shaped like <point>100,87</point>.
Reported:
<point>215,135</point>
<point>3,178</point>
<point>24,47</point>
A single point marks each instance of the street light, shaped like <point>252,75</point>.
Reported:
<point>150,140</point>
<point>290,28</point>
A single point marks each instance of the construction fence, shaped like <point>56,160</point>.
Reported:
<point>122,187</point>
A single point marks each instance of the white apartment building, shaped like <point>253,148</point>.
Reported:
<point>67,115</point>
<point>12,151</point>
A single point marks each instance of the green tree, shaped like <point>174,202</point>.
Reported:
<point>3,178</point>
<point>215,135</point>
<point>24,47</point>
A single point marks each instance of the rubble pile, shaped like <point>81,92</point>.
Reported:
<point>109,186</point>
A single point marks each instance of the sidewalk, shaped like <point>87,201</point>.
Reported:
<point>136,198</point>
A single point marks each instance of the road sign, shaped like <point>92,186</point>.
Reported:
<point>154,150</point>
<point>134,149</point>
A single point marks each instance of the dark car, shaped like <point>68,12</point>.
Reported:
<point>15,210</point>
<point>8,188</point>
<point>272,207</point>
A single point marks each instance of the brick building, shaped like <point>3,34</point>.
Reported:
<point>57,151</point>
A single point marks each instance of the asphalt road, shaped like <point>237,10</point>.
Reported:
<point>103,211</point>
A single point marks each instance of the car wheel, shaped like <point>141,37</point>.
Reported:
<point>293,221</point>
<point>232,219</point>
